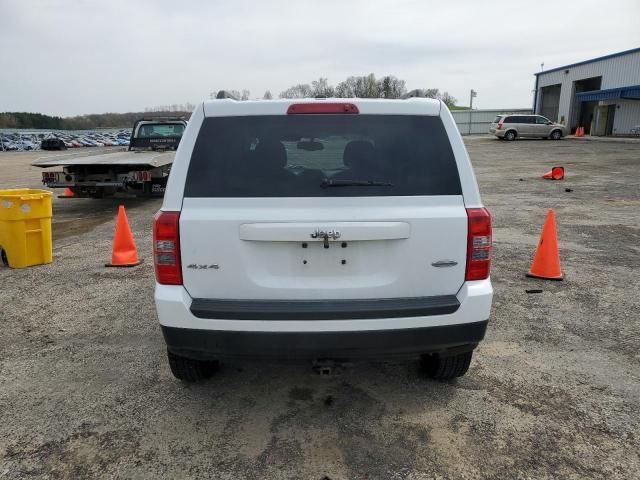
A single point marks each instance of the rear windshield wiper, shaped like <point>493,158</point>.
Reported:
<point>353,183</point>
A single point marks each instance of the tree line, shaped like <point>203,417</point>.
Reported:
<point>82,122</point>
<point>365,86</point>
<point>176,107</point>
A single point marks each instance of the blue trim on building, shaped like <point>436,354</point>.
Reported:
<point>632,93</point>
<point>612,55</point>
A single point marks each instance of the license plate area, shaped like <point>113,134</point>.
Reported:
<point>327,252</point>
<point>308,264</point>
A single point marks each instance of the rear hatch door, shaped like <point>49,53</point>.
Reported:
<point>308,207</point>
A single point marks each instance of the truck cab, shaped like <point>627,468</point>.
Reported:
<point>157,134</point>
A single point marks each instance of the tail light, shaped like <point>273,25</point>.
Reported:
<point>478,244</point>
<point>302,108</point>
<point>142,176</point>
<point>166,248</point>
<point>499,126</point>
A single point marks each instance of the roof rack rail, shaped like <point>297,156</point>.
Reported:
<point>419,93</point>
<point>224,94</point>
<point>160,119</point>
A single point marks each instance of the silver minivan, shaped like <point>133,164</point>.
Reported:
<point>510,127</point>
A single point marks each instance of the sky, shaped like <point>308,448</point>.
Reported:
<point>64,57</point>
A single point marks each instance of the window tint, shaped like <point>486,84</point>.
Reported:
<point>521,119</point>
<point>302,155</point>
<point>510,120</point>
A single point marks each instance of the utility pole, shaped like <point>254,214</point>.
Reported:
<point>472,95</point>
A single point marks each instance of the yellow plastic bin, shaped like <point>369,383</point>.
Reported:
<point>25,227</point>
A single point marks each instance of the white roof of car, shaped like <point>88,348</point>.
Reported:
<point>367,106</point>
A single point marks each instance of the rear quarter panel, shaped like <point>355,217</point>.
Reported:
<point>175,185</point>
<point>468,181</point>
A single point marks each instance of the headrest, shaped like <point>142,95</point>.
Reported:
<point>358,153</point>
<point>271,153</point>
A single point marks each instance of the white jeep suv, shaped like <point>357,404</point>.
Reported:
<point>334,229</point>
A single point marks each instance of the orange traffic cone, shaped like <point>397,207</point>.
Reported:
<point>125,253</point>
<point>546,262</point>
<point>556,173</point>
<point>579,132</point>
<point>68,193</point>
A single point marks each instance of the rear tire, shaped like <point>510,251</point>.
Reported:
<point>190,370</point>
<point>556,135</point>
<point>445,367</point>
<point>510,135</point>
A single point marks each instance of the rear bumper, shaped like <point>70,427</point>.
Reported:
<point>380,335</point>
<point>300,310</point>
<point>174,308</point>
<point>353,345</point>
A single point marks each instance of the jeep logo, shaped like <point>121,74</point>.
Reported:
<point>333,234</point>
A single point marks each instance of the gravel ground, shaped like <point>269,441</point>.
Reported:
<point>553,391</point>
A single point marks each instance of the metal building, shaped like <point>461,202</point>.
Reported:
<point>602,95</point>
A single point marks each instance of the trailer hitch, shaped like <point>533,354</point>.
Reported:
<point>325,367</point>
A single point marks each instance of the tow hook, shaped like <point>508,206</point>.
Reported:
<point>327,368</point>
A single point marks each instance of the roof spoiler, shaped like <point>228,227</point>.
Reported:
<point>417,93</point>
<point>224,94</point>
<point>160,119</point>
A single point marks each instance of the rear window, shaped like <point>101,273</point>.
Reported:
<point>497,119</point>
<point>160,130</point>
<point>322,156</point>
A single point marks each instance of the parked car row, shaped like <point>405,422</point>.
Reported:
<point>59,141</point>
<point>63,140</point>
<point>19,142</point>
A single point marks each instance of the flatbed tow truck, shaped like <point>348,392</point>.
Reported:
<point>140,170</point>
